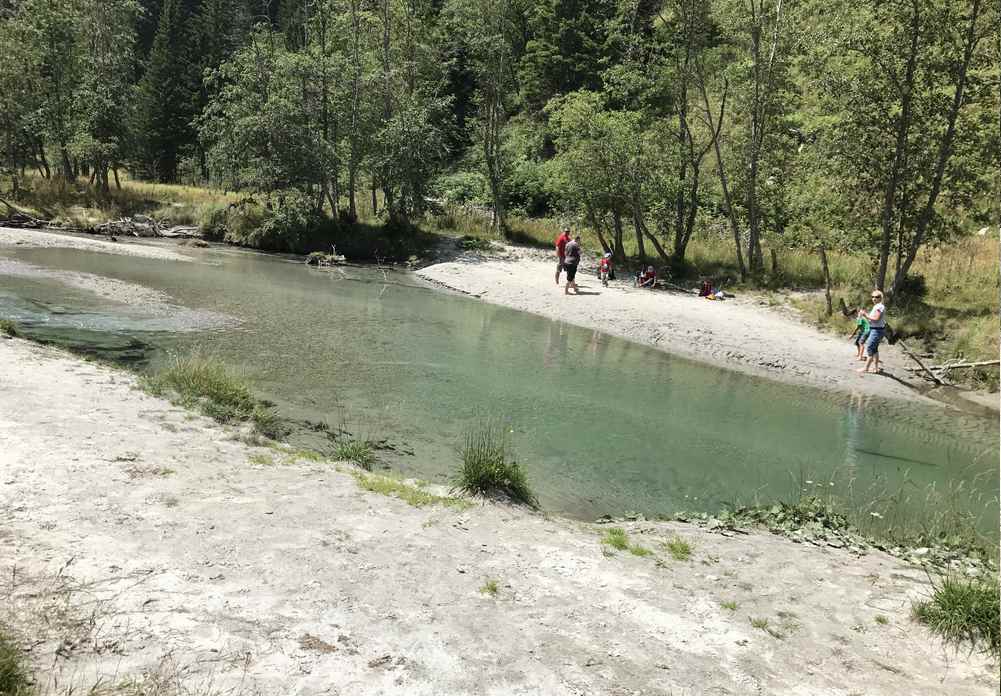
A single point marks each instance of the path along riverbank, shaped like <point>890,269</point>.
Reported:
<point>742,333</point>
<point>141,542</point>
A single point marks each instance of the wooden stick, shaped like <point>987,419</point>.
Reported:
<point>912,356</point>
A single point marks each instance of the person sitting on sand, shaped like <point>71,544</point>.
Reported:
<point>877,328</point>
<point>861,334</point>
<point>571,260</point>
<point>605,271</point>
<point>647,278</point>
<point>561,245</point>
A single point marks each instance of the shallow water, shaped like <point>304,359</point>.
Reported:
<point>602,425</point>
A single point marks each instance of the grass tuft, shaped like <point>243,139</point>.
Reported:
<point>358,451</point>
<point>8,328</point>
<point>14,677</point>
<point>679,549</point>
<point>202,383</point>
<point>488,468</point>
<point>617,538</point>
<point>731,605</point>
<point>491,588</point>
<point>881,619</point>
<point>963,610</point>
<point>412,495</point>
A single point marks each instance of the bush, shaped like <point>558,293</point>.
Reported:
<point>8,327</point>
<point>212,222</point>
<point>963,610</point>
<point>487,467</point>
<point>462,188</point>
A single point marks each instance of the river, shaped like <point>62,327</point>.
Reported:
<point>602,425</point>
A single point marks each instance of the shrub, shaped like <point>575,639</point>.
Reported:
<point>8,327</point>
<point>963,609</point>
<point>487,467</point>
<point>212,221</point>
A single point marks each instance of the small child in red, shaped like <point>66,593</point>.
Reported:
<point>605,269</point>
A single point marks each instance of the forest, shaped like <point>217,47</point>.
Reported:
<point>865,128</point>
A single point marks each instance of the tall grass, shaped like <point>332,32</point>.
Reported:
<point>488,466</point>
<point>964,610</point>
<point>203,383</point>
<point>15,679</point>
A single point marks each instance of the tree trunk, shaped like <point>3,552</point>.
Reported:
<point>118,184</point>
<point>899,153</point>
<point>640,249</point>
<point>827,278</point>
<point>618,251</point>
<point>727,200</point>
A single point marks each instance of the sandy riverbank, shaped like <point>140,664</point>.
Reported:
<point>11,237</point>
<point>742,333</point>
<point>137,538</point>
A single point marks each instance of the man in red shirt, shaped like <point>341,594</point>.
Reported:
<point>561,245</point>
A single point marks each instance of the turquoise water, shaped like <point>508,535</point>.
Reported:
<point>601,424</point>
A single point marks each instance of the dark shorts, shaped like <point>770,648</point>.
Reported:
<point>861,338</point>
<point>571,269</point>
<point>872,344</point>
<point>559,264</point>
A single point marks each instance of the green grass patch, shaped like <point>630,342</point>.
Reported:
<point>617,539</point>
<point>488,466</point>
<point>412,495</point>
<point>15,679</point>
<point>491,588</point>
<point>881,619</point>
<point>207,385</point>
<point>963,610</point>
<point>679,549</point>
<point>729,605</point>
<point>8,327</point>
<point>358,451</point>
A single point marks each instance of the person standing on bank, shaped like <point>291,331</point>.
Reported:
<point>561,245</point>
<point>571,260</point>
<point>877,327</point>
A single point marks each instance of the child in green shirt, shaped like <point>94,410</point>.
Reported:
<point>861,335</point>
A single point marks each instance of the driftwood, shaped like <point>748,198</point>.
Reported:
<point>922,367</point>
<point>20,219</point>
<point>957,366</point>
<point>137,226</point>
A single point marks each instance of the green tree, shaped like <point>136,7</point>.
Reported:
<point>910,92</point>
<point>167,96</point>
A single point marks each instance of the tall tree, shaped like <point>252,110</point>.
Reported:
<point>167,96</point>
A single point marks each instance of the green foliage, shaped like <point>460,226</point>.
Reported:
<point>412,495</point>
<point>203,383</point>
<point>8,327</point>
<point>679,549</point>
<point>964,610</point>
<point>15,679</point>
<point>487,467</point>
<point>617,538</point>
<point>358,451</point>
<point>491,588</point>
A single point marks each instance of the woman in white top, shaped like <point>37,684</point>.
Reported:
<point>877,327</point>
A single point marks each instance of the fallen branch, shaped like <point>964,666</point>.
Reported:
<point>923,368</point>
<point>957,366</point>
